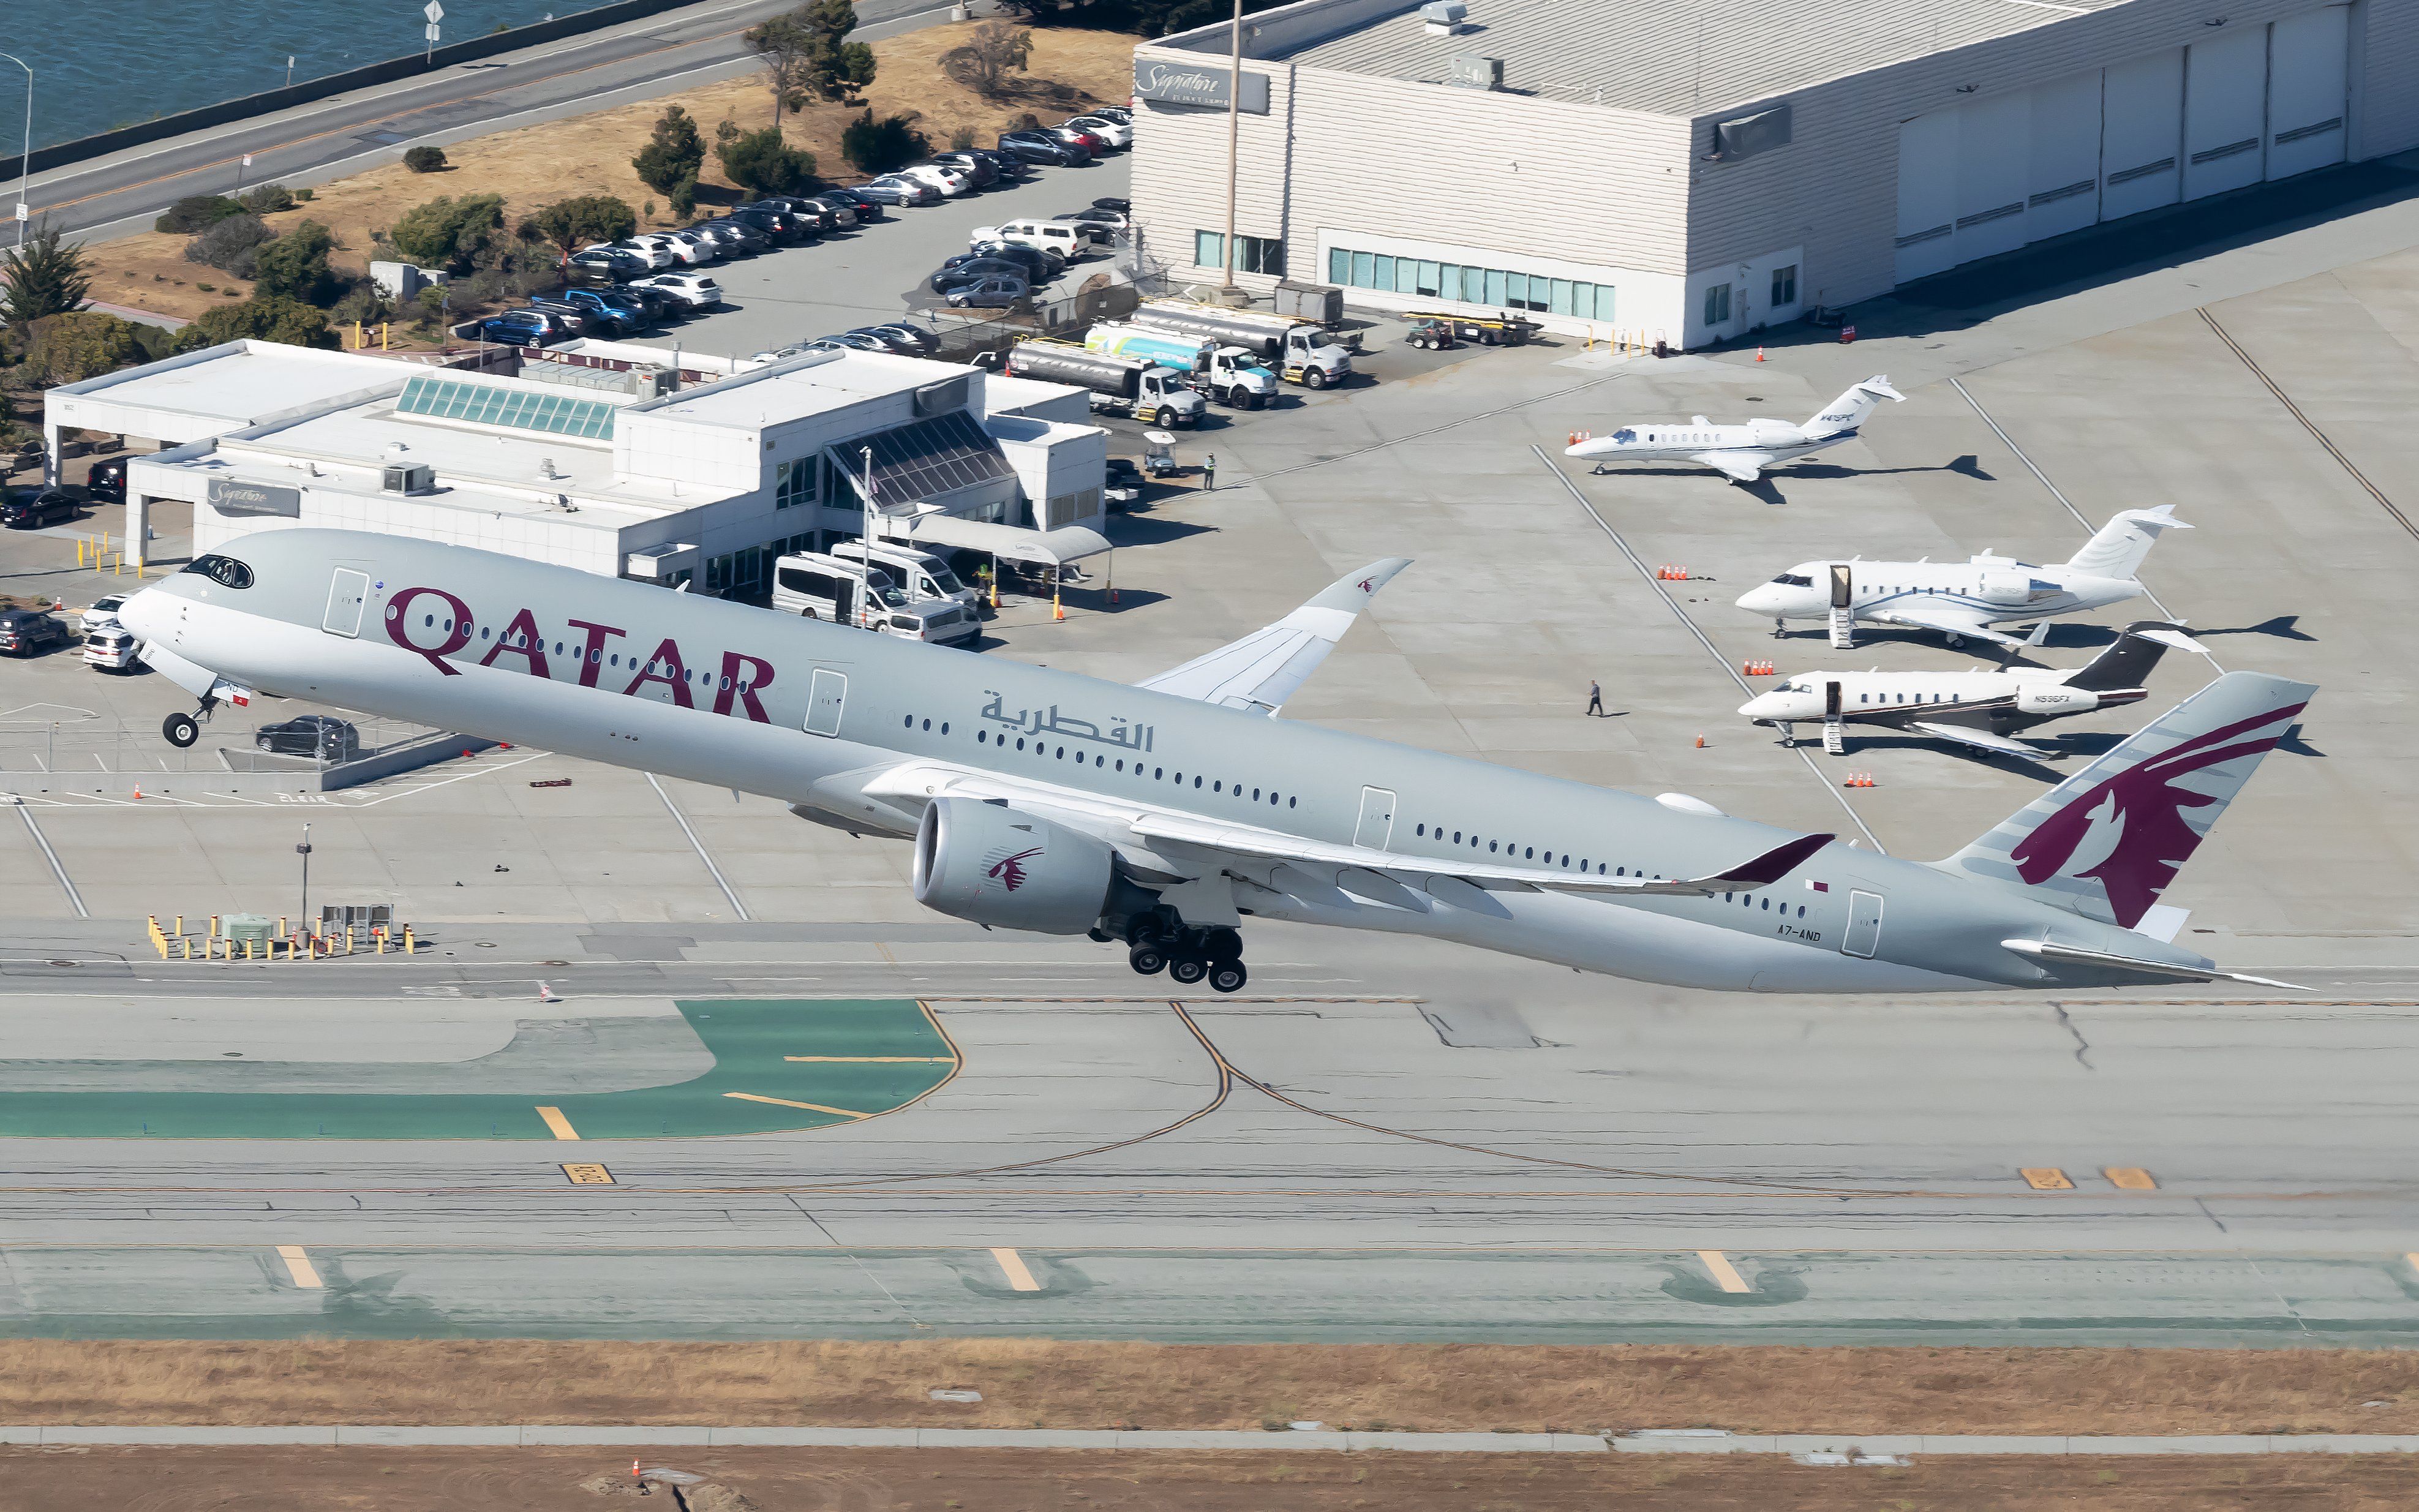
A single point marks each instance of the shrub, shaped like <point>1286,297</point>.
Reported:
<point>674,152</point>
<point>306,193</point>
<point>69,349</point>
<point>684,197</point>
<point>295,266</point>
<point>569,224</point>
<point>881,145</point>
<point>221,245</point>
<point>196,212</point>
<point>266,318</point>
<point>363,304</point>
<point>268,199</point>
<point>760,162</point>
<point>424,160</point>
<point>448,233</point>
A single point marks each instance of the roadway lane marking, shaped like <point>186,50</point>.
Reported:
<point>698,845</point>
<point>785,1102</point>
<point>299,1266</point>
<point>2130,1177</point>
<point>1725,1274</point>
<point>875,1061</point>
<point>2045,1179</point>
<point>1011,1265</point>
<point>25,811</point>
<point>555,1121</point>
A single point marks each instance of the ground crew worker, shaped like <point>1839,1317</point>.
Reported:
<point>1596,698</point>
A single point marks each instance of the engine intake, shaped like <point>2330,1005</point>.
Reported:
<point>994,865</point>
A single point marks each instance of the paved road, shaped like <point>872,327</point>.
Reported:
<point>312,143</point>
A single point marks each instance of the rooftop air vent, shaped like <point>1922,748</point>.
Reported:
<point>419,477</point>
<point>1444,18</point>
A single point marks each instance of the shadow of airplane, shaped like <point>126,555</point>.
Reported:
<point>2283,627</point>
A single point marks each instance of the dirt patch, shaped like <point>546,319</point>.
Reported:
<point>1044,1384</point>
<point>591,155</point>
<point>982,1480</point>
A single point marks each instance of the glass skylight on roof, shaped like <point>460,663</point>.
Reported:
<point>928,458</point>
<point>488,404</point>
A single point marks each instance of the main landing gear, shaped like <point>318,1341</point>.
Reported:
<point>1187,954</point>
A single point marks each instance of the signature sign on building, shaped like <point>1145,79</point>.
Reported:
<point>1205,82</point>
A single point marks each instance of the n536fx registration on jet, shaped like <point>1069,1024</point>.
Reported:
<point>1165,815</point>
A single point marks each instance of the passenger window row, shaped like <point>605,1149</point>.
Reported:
<point>1045,750</point>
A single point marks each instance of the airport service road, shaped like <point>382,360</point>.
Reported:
<point>330,138</point>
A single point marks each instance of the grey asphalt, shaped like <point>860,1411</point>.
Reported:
<point>309,144</point>
<point>1389,1139</point>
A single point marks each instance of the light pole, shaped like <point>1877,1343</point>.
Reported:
<point>303,851</point>
<point>1234,125</point>
<point>24,163</point>
<point>289,71</point>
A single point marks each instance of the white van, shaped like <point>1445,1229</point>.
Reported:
<point>1068,239</point>
<point>822,587</point>
<point>919,573</point>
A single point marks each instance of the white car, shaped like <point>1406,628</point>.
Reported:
<point>702,246</point>
<point>949,180</point>
<point>112,648</point>
<point>696,291</point>
<point>652,256</point>
<point>103,611</point>
<point>684,254</point>
<point>1115,134</point>
<point>1068,239</point>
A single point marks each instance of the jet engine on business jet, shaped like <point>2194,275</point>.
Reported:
<point>994,865</point>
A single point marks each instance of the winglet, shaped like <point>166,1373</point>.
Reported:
<point>1352,591</point>
<point>1774,864</point>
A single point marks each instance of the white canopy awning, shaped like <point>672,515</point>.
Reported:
<point>1049,548</point>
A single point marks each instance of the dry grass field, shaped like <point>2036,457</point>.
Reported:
<point>1042,1384</point>
<point>591,155</point>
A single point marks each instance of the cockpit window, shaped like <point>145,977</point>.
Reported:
<point>1625,434</point>
<point>225,571</point>
<point>1795,580</point>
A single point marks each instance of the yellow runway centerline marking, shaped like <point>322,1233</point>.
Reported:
<point>1725,1274</point>
<point>299,1266</point>
<point>875,1061</point>
<point>555,1121</point>
<point>2045,1179</point>
<point>1011,1265</point>
<point>2130,1179</point>
<point>785,1102</point>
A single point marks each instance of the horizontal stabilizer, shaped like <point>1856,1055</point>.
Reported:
<point>2151,970</point>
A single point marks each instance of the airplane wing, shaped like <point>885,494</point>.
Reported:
<point>1265,668</point>
<point>1743,464</point>
<point>1979,739</point>
<point>1944,619</point>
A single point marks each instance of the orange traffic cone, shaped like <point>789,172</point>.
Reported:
<point>1701,741</point>
<point>138,789</point>
<point>1759,354</point>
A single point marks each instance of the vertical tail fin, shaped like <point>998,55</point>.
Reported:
<point>2128,661</point>
<point>1849,410</point>
<point>2117,550</point>
<point>2107,841</point>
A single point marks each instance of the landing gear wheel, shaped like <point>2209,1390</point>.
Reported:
<point>1188,969</point>
<point>1229,976</point>
<point>1146,958</point>
<point>1222,944</point>
<point>180,730</point>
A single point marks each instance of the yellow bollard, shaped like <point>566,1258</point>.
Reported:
<point>118,564</point>
<point>357,335</point>
<point>180,923</point>
<point>383,328</point>
<point>188,948</point>
<point>349,939</point>
<point>247,949</point>
<point>214,926</point>
<point>380,935</point>
<point>410,946</point>
<point>282,927</point>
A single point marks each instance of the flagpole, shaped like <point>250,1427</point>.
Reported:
<point>865,557</point>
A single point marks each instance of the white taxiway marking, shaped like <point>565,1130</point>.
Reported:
<point>299,1266</point>
<point>1725,1274</point>
<point>1012,1265</point>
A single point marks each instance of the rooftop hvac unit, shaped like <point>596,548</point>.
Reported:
<point>418,477</point>
<point>1476,71</point>
<point>652,382</point>
<point>1444,17</point>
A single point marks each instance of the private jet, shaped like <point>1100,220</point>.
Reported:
<point>1741,452</point>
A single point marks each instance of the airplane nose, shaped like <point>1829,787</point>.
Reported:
<point>1757,599</point>
<point>1760,707</point>
<point>143,614</point>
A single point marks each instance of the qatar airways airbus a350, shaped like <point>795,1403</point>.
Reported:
<point>1166,816</point>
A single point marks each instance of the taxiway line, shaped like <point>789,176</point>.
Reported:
<point>555,1121</point>
<point>58,869</point>
<point>2307,424</point>
<point>681,819</point>
<point>1013,1266</point>
<point>1725,1274</point>
<point>299,1267</point>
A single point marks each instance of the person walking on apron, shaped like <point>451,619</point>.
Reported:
<point>1596,698</point>
<point>1209,471</point>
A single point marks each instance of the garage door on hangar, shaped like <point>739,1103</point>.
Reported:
<point>1989,177</point>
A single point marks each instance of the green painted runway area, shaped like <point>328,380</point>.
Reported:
<point>863,1057</point>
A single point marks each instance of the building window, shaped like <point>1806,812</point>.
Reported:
<point>1784,285</point>
<point>1717,304</point>
<point>794,483</point>
<point>1253,254</point>
<point>1339,265</point>
<point>1208,249</point>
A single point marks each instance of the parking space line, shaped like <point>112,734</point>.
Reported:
<point>785,1102</point>
<point>555,1121</point>
<point>299,1266</point>
<point>1711,650</point>
<point>681,819</point>
<point>1011,1265</point>
<point>1725,1274</point>
<point>58,870</point>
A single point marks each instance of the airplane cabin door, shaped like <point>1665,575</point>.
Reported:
<point>1842,586</point>
<point>1864,935</point>
<point>1832,702</point>
<point>1377,825</point>
<point>826,698</point>
<point>346,592</point>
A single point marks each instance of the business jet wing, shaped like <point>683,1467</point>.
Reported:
<point>1979,739</point>
<point>1744,464</point>
<point>1943,618</point>
<point>1265,668</point>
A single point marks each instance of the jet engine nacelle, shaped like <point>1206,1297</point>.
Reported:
<point>2053,698</point>
<point>997,866</point>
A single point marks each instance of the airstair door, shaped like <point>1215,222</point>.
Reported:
<point>346,594</point>
<point>826,697</point>
<point>1844,615</point>
<point>1377,826</point>
<point>1864,935</point>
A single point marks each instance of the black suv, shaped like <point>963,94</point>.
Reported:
<point>322,735</point>
<point>29,632</point>
<point>603,267</point>
<point>780,224</point>
<point>813,215</point>
<point>22,507</point>
<point>108,481</point>
<point>1040,146</point>
<point>867,210</point>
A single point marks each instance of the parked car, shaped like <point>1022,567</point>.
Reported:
<point>984,172</point>
<point>780,225</point>
<point>1123,489</point>
<point>322,735</point>
<point>522,328</point>
<point>843,212</point>
<point>951,180</point>
<point>607,311</point>
<point>112,648</point>
<point>103,611</point>
<point>785,216</point>
<point>702,242</point>
<point>1010,166</point>
<point>35,505</point>
<point>1114,202</point>
<point>604,265</point>
<point>1119,114</point>
<point>647,257</point>
<point>108,481</point>
<point>908,340</point>
<point>894,189</point>
<point>866,208</point>
<point>968,271</point>
<point>684,291</point>
<point>29,632</point>
<point>1118,134</point>
<point>1091,142</point>
<point>1041,266</point>
<point>1059,238</point>
<point>747,237</point>
<point>1099,215</point>
<point>574,320</point>
<point>996,292</point>
<point>642,297</point>
<point>1096,234</point>
<point>682,253</point>
<point>727,240</point>
<point>1039,147</point>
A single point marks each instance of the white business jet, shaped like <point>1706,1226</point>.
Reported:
<point>1964,599</point>
<point>1742,452</point>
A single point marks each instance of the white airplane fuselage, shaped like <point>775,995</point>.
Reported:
<point>1763,443</point>
<point>1990,590</point>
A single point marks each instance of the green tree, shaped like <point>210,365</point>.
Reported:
<point>295,266</point>
<point>263,318</point>
<point>760,162</point>
<point>983,62</point>
<point>674,153</point>
<point>807,54</point>
<point>881,146</point>
<point>448,233</point>
<point>42,278</point>
<point>569,224</point>
<point>69,349</point>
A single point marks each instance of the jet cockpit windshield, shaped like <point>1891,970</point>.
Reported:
<point>225,571</point>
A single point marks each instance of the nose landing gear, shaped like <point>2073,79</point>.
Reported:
<point>1189,955</point>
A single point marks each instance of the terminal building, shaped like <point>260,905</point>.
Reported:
<point>601,456</point>
<point>1674,170</point>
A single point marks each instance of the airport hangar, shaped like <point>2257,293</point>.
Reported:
<point>1669,173</point>
<point>600,456</point>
